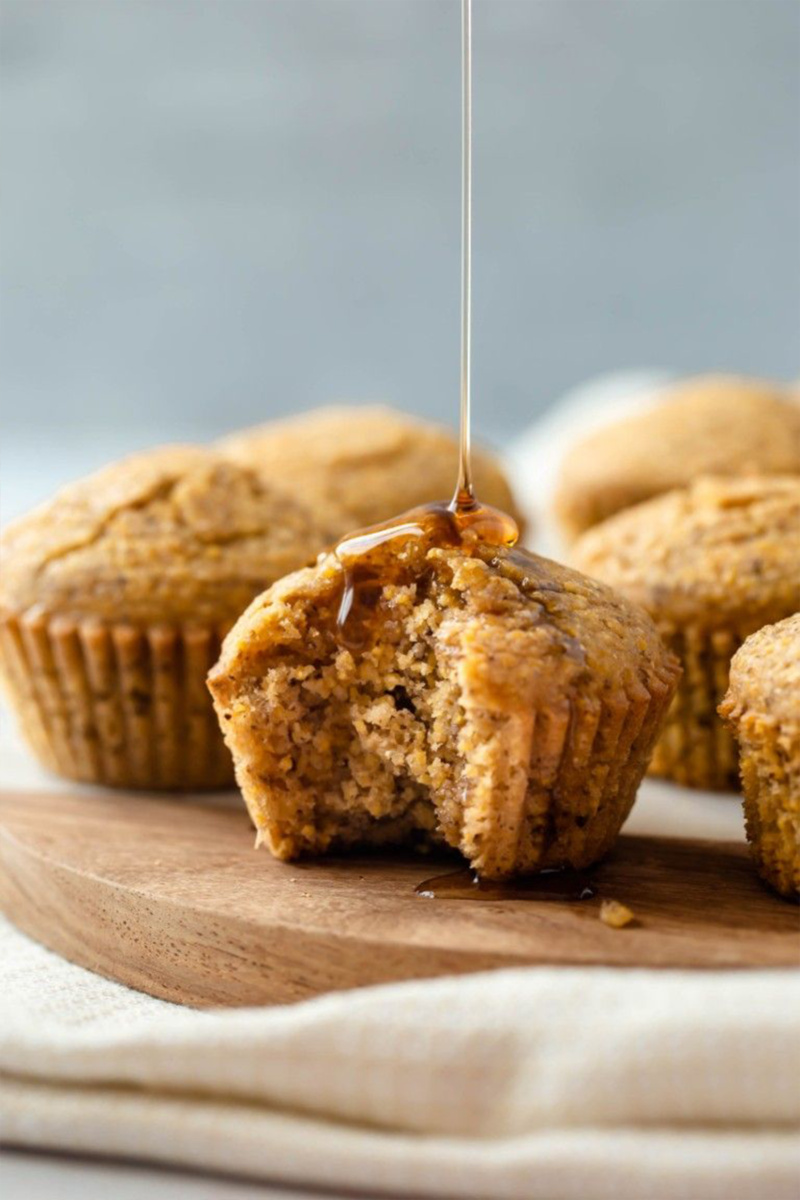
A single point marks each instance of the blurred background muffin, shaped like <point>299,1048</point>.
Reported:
<point>711,563</point>
<point>357,466</point>
<point>114,598</point>
<point>710,425</point>
<point>763,708</point>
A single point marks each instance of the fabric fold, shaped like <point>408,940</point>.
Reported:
<point>588,1083</point>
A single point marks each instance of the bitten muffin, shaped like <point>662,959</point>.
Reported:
<point>495,702</point>
<point>359,466</point>
<point>713,425</point>
<point>114,598</point>
<point>711,564</point>
<point>763,708</point>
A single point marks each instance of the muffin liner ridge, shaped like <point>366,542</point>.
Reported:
<point>115,703</point>
<point>593,754</point>
<point>696,748</point>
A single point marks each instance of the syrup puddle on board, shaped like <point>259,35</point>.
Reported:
<point>465,884</point>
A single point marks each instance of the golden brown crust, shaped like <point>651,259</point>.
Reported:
<point>508,706</point>
<point>114,598</point>
<point>720,553</point>
<point>712,425</point>
<point>171,535</point>
<point>711,564</point>
<point>762,706</point>
<point>358,466</point>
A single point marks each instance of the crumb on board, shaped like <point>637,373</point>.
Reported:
<point>615,914</point>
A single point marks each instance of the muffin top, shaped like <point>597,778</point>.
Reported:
<point>174,534</point>
<point>358,466</point>
<point>591,638</point>
<point>765,676</point>
<point>722,552</point>
<point>713,425</point>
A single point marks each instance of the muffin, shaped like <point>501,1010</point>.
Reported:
<point>763,708</point>
<point>711,563</point>
<point>114,597</point>
<point>713,425</point>
<point>432,693</point>
<point>360,466</point>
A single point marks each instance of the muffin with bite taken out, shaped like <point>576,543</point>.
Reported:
<point>434,690</point>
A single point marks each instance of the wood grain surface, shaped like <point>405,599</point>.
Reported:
<point>170,897</point>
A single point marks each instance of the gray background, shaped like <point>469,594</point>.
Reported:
<point>219,210</point>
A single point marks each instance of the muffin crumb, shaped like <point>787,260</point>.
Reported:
<point>615,914</point>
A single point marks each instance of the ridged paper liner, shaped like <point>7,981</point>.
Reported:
<point>585,766</point>
<point>117,704</point>
<point>696,748</point>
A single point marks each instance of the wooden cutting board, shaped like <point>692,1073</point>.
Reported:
<point>170,897</point>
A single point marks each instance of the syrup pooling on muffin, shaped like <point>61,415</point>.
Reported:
<point>395,553</point>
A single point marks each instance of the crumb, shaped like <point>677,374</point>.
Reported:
<point>616,915</point>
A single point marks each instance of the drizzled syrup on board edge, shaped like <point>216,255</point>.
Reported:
<point>372,558</point>
<point>466,884</point>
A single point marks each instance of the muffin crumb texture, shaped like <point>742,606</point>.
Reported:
<point>762,707</point>
<point>505,706</point>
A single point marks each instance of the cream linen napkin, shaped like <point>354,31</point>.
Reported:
<point>559,1084</point>
<point>549,1083</point>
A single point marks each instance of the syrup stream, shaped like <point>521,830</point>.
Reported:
<point>465,492</point>
<point>371,558</point>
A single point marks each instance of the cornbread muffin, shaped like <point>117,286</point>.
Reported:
<point>711,564</point>
<point>470,695</point>
<point>114,598</point>
<point>713,425</point>
<point>360,466</point>
<point>763,708</point>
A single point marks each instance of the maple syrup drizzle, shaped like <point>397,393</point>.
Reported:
<point>395,552</point>
<point>465,884</point>
<point>372,558</point>
<point>465,492</point>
